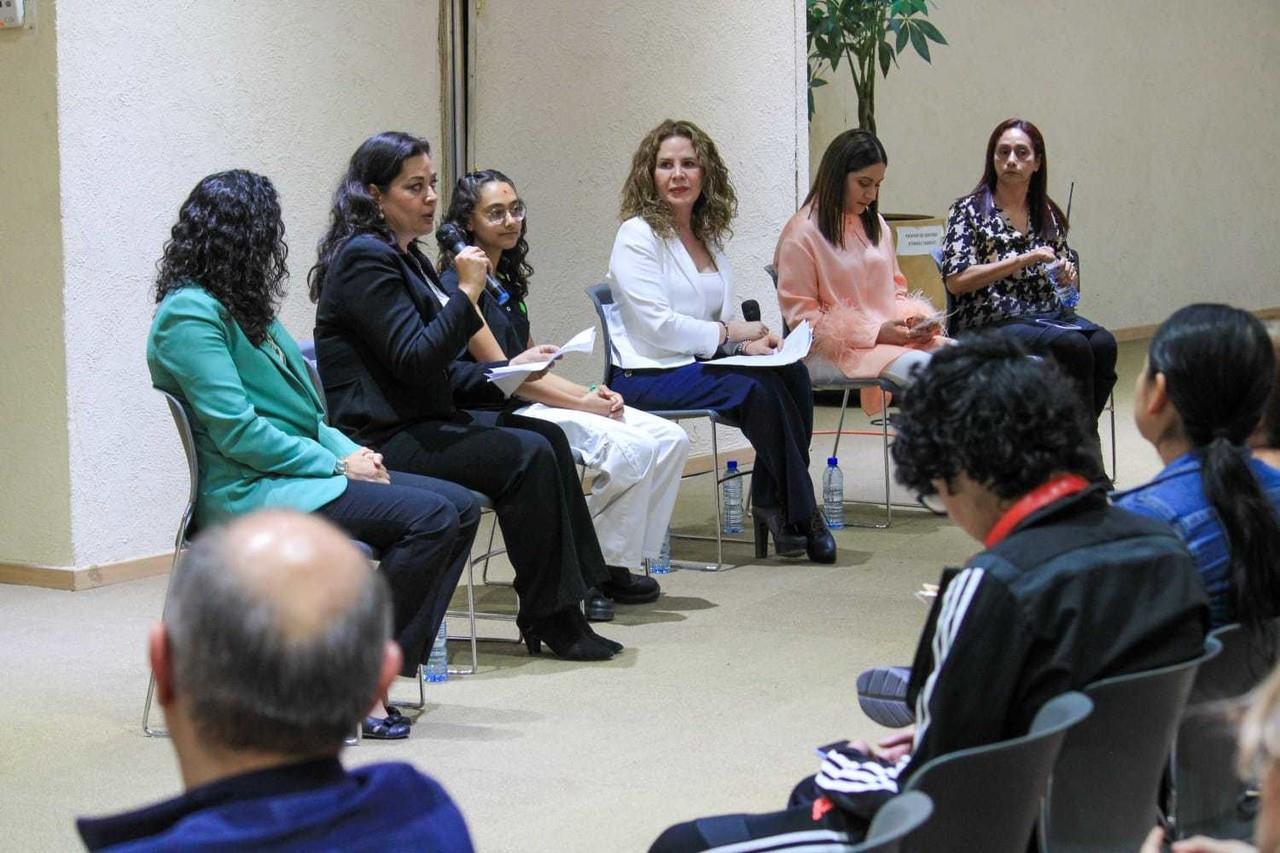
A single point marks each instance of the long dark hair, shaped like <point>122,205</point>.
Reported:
<point>229,239</point>
<point>377,161</point>
<point>849,152</point>
<point>1047,219</point>
<point>513,269</point>
<point>1219,367</point>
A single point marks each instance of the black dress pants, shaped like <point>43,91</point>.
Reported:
<point>525,466</point>
<point>1087,355</point>
<point>424,529</point>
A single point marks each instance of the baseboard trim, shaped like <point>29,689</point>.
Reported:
<point>1139,333</point>
<point>89,577</point>
<point>71,579</point>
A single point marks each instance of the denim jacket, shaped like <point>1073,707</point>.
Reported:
<point>1177,498</point>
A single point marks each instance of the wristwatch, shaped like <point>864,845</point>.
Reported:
<point>340,468</point>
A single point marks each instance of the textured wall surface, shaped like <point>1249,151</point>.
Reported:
<point>563,99</point>
<point>1163,116</point>
<point>151,98</point>
<point>35,524</point>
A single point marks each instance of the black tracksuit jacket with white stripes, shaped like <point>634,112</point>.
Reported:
<point>1079,591</point>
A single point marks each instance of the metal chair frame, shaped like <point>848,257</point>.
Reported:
<point>600,296</point>
<point>848,385</point>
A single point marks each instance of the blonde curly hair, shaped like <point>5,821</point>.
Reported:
<point>715,208</point>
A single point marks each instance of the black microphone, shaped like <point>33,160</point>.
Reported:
<point>751,311</point>
<point>454,239</point>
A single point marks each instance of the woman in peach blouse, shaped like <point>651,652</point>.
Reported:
<point>837,269</point>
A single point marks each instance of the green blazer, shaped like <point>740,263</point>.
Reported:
<point>258,422</point>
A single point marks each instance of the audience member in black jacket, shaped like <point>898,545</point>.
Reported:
<point>1068,589</point>
<point>388,339</point>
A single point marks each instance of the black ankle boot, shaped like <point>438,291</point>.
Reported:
<point>768,522</point>
<point>612,645</point>
<point>819,544</point>
<point>566,634</point>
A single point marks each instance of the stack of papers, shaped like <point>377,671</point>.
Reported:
<point>509,377</point>
<point>794,347</point>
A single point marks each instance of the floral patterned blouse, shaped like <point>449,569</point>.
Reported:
<point>978,233</point>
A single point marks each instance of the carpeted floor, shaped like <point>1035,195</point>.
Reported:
<point>726,685</point>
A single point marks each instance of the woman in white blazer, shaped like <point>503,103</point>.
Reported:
<point>673,292</point>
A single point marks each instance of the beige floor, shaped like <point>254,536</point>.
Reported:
<point>727,684</point>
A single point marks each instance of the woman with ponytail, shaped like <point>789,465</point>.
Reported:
<point>1208,375</point>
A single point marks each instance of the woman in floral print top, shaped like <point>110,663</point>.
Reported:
<point>1000,239</point>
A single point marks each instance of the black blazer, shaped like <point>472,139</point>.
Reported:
<point>387,350</point>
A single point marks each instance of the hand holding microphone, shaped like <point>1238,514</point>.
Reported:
<point>749,328</point>
<point>465,258</point>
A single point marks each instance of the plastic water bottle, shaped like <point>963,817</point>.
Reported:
<point>1068,295</point>
<point>731,498</point>
<point>661,564</point>
<point>833,494</point>
<point>438,660</point>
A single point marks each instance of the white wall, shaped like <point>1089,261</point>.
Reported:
<point>152,96</point>
<point>34,509</point>
<point>1164,116</point>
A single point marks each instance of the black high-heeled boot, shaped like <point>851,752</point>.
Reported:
<point>819,544</point>
<point>769,522</point>
<point>612,645</point>
<point>565,636</point>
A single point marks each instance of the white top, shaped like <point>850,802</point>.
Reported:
<point>712,291</point>
<point>662,314</point>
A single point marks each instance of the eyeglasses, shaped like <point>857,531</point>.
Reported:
<point>933,503</point>
<point>497,214</point>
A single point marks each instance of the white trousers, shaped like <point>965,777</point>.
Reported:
<point>638,461</point>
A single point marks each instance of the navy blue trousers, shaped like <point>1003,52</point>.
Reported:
<point>423,528</point>
<point>1087,355</point>
<point>772,405</point>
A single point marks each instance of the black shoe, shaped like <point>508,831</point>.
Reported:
<point>882,695</point>
<point>599,608</point>
<point>394,715</point>
<point>567,638</point>
<point>819,544</point>
<point>768,522</point>
<point>627,588</point>
<point>384,728</point>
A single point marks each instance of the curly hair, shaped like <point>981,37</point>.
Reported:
<point>984,408</point>
<point>377,161</point>
<point>513,269</point>
<point>715,208</point>
<point>229,240</point>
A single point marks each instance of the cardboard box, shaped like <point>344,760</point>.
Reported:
<point>915,235</point>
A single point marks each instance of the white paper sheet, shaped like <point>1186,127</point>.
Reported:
<point>794,347</point>
<point>509,377</point>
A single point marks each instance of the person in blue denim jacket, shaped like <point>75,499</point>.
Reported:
<point>1208,375</point>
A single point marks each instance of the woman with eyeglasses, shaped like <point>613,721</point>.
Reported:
<point>639,457</point>
<point>1005,245</point>
<point>388,339</point>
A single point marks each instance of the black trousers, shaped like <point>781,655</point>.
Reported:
<point>424,529</point>
<point>772,405</point>
<point>525,466</point>
<point>1088,355</point>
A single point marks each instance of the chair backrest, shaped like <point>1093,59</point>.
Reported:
<point>1106,783</point>
<point>1208,798</point>
<point>773,277</point>
<point>936,254</point>
<point>600,296</point>
<point>895,823</point>
<point>988,798</point>
<point>308,349</point>
<point>181,422</point>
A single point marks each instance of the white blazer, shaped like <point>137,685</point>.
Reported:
<point>659,316</point>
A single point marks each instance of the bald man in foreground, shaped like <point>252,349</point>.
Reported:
<point>276,641</point>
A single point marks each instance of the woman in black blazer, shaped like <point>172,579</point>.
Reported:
<point>388,340</point>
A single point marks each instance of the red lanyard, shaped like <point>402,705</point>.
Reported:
<point>1041,496</point>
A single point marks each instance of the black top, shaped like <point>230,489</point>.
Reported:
<point>509,323</point>
<point>388,351</point>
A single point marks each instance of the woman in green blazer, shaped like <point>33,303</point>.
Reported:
<point>259,427</point>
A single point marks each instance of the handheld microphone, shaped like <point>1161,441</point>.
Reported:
<point>751,311</point>
<point>452,237</point>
